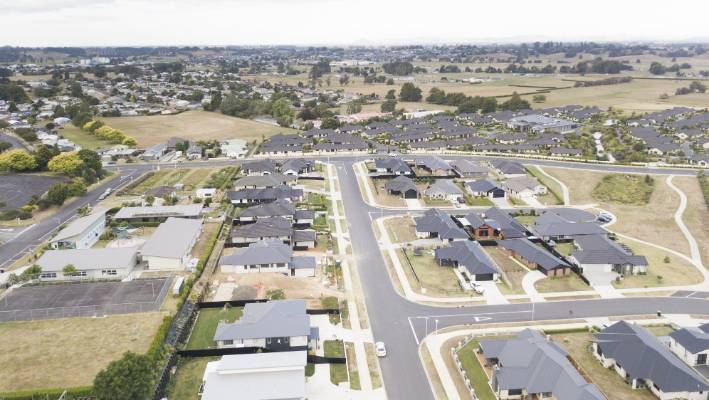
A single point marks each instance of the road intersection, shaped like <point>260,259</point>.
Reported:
<point>399,322</point>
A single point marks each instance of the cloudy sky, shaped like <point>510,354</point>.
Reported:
<point>359,22</point>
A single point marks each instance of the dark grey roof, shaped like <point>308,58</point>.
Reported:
<point>304,236</point>
<point>400,184</point>
<point>468,167</point>
<point>259,166</point>
<point>643,356</point>
<point>278,208</point>
<point>392,164</point>
<point>571,214</point>
<point>551,224</point>
<point>263,181</point>
<point>540,366</point>
<point>509,227</point>
<point>304,214</point>
<point>508,167</point>
<point>533,253</point>
<point>283,318</point>
<point>270,251</point>
<point>267,194</point>
<point>296,164</point>
<point>599,249</point>
<point>468,254</point>
<point>482,185</point>
<point>264,227</point>
<point>445,186</point>
<point>432,163</point>
<point>436,221</point>
<point>302,262</point>
<point>695,340</point>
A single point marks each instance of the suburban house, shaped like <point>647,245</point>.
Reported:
<point>158,213</point>
<point>539,123</point>
<point>508,169</point>
<point>532,367</point>
<point>485,188</point>
<point>437,224</point>
<point>170,246</point>
<point>259,167</point>
<point>277,325</point>
<point>469,169</point>
<point>263,181</point>
<point>257,376</point>
<point>550,226</point>
<point>81,233</point>
<point>392,165</point>
<point>268,256</point>
<point>535,257</point>
<point>643,361</point>
<point>205,193</point>
<point>435,165</point>
<point>402,186</point>
<point>493,224</point>
<point>279,208</point>
<point>296,166</point>
<point>103,263</point>
<point>598,253</point>
<point>444,189</point>
<point>691,345</point>
<point>470,259</point>
<point>267,195</point>
<point>277,228</point>
<point>524,187</point>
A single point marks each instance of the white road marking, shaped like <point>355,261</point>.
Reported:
<point>413,331</point>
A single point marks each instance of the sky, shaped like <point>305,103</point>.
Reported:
<point>339,22</point>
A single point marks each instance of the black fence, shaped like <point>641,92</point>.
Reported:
<point>323,311</point>
<point>312,359</point>
<point>233,303</point>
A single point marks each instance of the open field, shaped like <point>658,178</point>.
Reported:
<point>660,273</point>
<point>188,378</point>
<point>652,222</point>
<point>634,190</point>
<point>69,352</point>
<point>569,283</point>
<point>190,125</point>
<point>696,214</point>
<point>202,335</point>
<point>400,229</point>
<point>83,139</point>
<point>578,345</point>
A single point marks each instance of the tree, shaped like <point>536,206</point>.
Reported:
<point>388,105</point>
<point>391,95</point>
<point>43,154</point>
<point>354,107</point>
<point>5,146</point>
<point>539,98</point>
<point>75,90</point>
<point>129,141</point>
<point>409,92</point>
<point>17,160</point>
<point>345,80</point>
<point>436,96</point>
<point>66,163</point>
<point>515,103</point>
<point>69,270</point>
<point>282,112</point>
<point>129,378</point>
<point>657,69</point>
<point>398,68</point>
<point>57,194</point>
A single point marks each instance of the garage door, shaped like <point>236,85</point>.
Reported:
<point>483,277</point>
<point>411,194</point>
<point>498,193</point>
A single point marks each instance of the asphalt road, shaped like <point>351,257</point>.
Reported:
<point>401,324</point>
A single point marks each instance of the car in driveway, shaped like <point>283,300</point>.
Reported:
<point>478,288</point>
<point>380,349</point>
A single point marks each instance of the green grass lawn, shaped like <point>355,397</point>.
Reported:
<point>185,384</point>
<point>83,139</point>
<point>431,276</point>
<point>474,371</point>
<point>568,283</point>
<point>555,195</point>
<point>478,201</point>
<point>206,325</point>
<point>526,219</point>
<point>565,249</point>
<point>625,189</point>
<point>338,372</point>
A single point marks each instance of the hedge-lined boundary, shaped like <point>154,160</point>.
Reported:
<point>49,394</point>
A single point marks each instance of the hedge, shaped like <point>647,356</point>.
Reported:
<point>49,394</point>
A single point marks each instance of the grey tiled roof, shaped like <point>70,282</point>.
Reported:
<point>469,255</point>
<point>264,227</point>
<point>533,253</point>
<point>695,340</point>
<point>643,356</point>
<point>437,221</point>
<point>284,318</point>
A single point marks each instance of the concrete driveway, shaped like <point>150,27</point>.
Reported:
<point>492,293</point>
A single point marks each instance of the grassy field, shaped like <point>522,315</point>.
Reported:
<point>652,222</point>
<point>338,372</point>
<point>634,190</point>
<point>569,283</point>
<point>435,279</point>
<point>202,335</point>
<point>474,371</point>
<point>512,270</point>
<point>191,125</point>
<point>400,229</point>
<point>607,380</point>
<point>83,139</point>
<point>188,378</point>
<point>696,214</point>
<point>69,352</point>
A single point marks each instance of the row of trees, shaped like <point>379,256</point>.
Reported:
<point>279,107</point>
<point>657,68</point>
<point>694,87</point>
<point>100,129</point>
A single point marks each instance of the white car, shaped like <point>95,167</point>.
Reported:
<point>380,349</point>
<point>477,288</point>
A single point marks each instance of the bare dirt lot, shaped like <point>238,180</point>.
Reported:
<point>69,352</point>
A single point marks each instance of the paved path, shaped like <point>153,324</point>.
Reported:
<point>693,246</point>
<point>528,281</point>
<point>564,188</point>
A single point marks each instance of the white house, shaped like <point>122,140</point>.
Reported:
<point>206,193</point>
<point>258,376</point>
<point>524,187</point>
<point>104,263</point>
<point>170,245</point>
<point>81,233</point>
<point>691,345</point>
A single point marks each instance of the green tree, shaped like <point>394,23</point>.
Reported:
<point>409,92</point>
<point>17,160</point>
<point>436,96</point>
<point>69,270</point>
<point>354,107</point>
<point>657,69</point>
<point>66,163</point>
<point>75,90</point>
<point>282,112</point>
<point>391,95</point>
<point>57,194</point>
<point>515,103</point>
<point>388,105</point>
<point>129,378</point>
<point>539,98</point>
<point>44,154</point>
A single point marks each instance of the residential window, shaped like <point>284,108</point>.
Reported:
<point>701,359</point>
<point>514,392</point>
<point>80,273</point>
<point>227,342</point>
<point>109,272</point>
<point>48,275</point>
